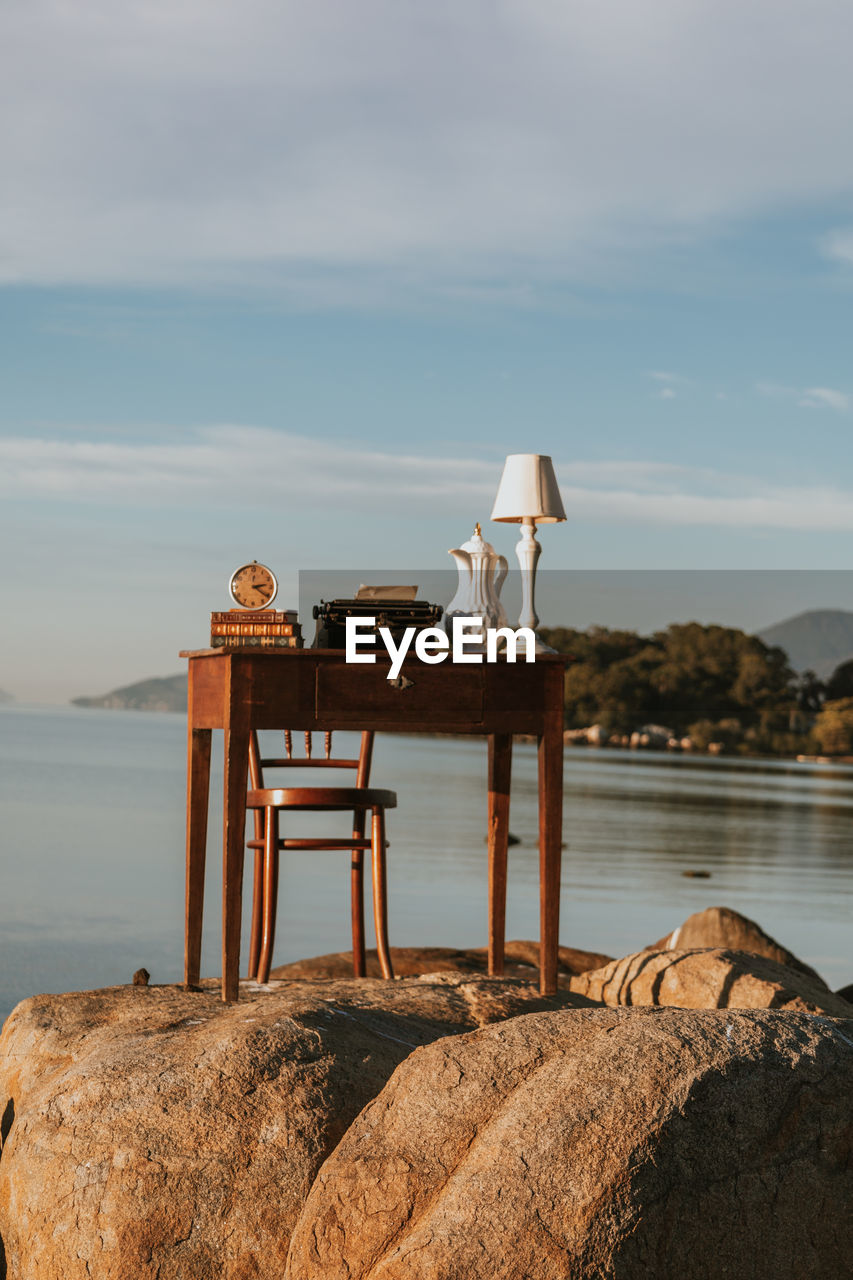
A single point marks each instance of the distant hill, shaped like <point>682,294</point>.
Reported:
<point>161,693</point>
<point>818,640</point>
<point>5,697</point>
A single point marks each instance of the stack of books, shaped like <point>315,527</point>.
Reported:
<point>255,629</point>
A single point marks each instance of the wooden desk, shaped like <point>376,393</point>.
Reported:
<point>316,689</point>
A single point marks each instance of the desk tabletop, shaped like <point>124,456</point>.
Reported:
<point>318,688</point>
<point>257,651</point>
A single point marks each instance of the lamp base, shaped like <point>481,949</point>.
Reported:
<point>528,551</point>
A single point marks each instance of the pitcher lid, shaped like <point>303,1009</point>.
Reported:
<point>477,542</point>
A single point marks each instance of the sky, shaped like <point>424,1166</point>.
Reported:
<point>287,281</point>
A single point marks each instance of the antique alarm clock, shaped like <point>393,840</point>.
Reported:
<point>253,586</point>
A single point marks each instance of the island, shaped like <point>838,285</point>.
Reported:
<point>159,693</point>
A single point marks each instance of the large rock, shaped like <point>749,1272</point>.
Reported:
<point>721,927</point>
<point>617,1143</point>
<point>712,978</point>
<point>521,961</point>
<point>155,1132</point>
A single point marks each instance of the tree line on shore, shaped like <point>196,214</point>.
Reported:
<point>711,684</point>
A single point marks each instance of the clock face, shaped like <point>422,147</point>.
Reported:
<point>253,586</point>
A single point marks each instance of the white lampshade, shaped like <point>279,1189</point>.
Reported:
<point>528,491</point>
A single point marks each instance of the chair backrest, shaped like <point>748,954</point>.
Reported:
<point>361,763</point>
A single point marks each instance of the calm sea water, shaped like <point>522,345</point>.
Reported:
<point>92,832</point>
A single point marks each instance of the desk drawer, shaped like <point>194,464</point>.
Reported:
<point>433,696</point>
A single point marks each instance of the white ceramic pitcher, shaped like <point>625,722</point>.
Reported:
<point>481,576</point>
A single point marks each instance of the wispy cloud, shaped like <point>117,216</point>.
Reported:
<point>201,141</point>
<point>825,398</point>
<point>669,380</point>
<point>807,397</point>
<point>838,245</point>
<point>245,465</point>
<point>221,463</point>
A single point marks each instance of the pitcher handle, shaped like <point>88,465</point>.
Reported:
<point>502,570</point>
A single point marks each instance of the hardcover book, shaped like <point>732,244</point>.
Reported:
<point>254,628</point>
<point>254,615</point>
<point>256,642</point>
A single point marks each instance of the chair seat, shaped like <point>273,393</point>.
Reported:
<point>308,798</point>
<point>297,842</point>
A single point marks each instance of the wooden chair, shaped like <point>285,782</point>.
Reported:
<point>268,804</point>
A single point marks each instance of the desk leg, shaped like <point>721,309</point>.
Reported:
<point>198,785</point>
<point>233,855</point>
<point>500,767</point>
<point>550,839</point>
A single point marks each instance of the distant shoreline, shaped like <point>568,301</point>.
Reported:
<point>107,704</point>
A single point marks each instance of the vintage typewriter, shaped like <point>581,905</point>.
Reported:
<point>393,607</point>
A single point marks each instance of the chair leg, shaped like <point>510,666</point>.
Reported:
<point>380,893</point>
<point>270,892</point>
<point>257,910</point>
<point>359,956</point>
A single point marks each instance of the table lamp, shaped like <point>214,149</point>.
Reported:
<point>528,495</point>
